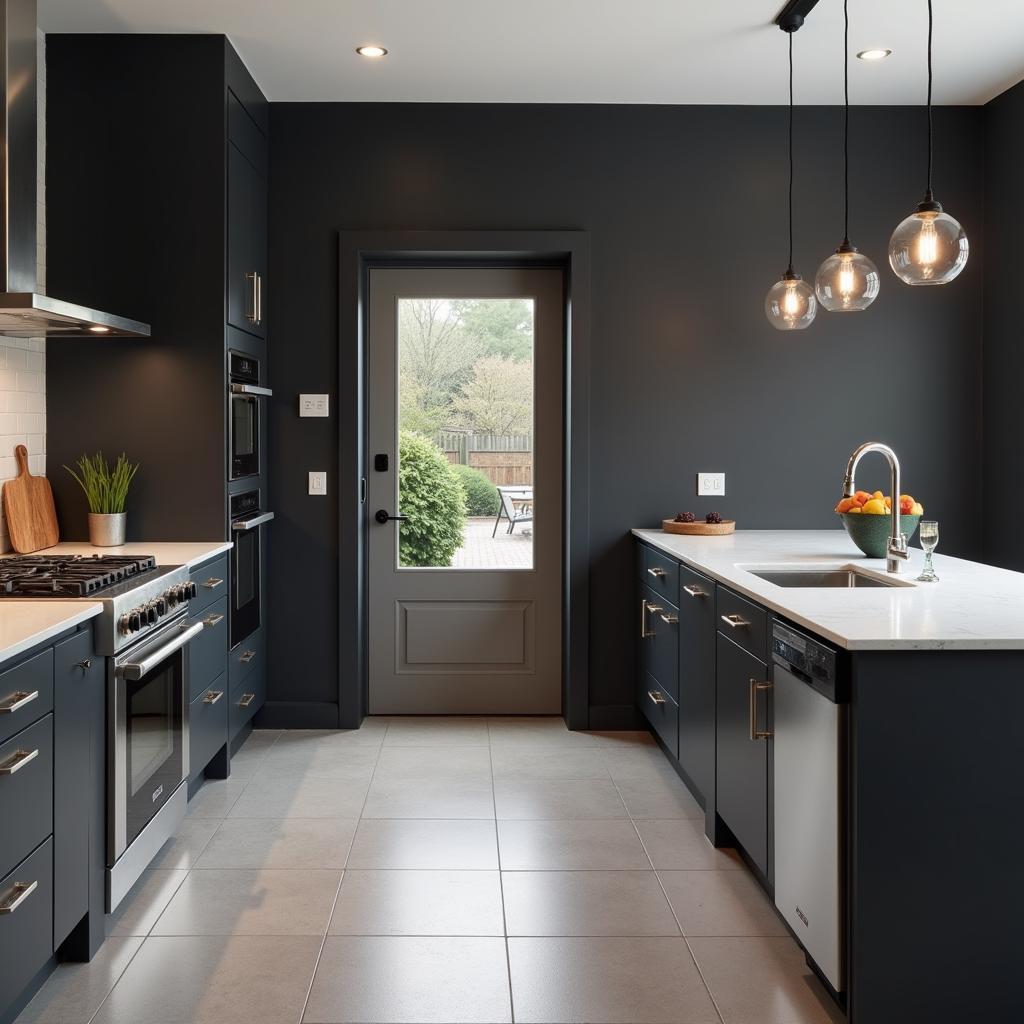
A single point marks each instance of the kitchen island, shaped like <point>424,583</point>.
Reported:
<point>929,730</point>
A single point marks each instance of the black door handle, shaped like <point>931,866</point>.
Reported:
<point>382,517</point>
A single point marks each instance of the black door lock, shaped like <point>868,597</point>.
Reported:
<point>381,515</point>
<point>380,462</point>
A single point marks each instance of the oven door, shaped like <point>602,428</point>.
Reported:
<point>149,730</point>
<point>246,576</point>
<point>244,434</point>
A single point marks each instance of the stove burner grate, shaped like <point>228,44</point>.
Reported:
<point>68,575</point>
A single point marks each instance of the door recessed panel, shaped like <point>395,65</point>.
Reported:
<point>468,636</point>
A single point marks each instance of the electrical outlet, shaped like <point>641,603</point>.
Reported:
<point>318,483</point>
<point>314,405</point>
<point>711,483</point>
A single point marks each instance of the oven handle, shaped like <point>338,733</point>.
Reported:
<point>251,389</point>
<point>251,524</point>
<point>133,671</point>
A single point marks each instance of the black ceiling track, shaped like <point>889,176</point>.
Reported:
<point>791,17</point>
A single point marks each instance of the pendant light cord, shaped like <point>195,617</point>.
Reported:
<point>846,121</point>
<point>790,268</point>
<point>929,197</point>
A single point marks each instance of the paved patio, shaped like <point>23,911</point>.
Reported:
<point>481,551</point>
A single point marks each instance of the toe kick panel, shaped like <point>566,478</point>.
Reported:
<point>464,636</point>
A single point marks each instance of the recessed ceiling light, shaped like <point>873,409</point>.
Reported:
<point>371,51</point>
<point>876,54</point>
<point>97,329</point>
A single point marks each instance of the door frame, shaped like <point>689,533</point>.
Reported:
<point>358,253</point>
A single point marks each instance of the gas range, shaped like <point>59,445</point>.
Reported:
<point>137,594</point>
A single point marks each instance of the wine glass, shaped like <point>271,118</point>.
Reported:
<point>928,533</point>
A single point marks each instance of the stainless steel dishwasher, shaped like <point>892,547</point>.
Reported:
<point>809,698</point>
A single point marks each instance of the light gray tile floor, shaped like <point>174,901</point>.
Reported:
<point>442,870</point>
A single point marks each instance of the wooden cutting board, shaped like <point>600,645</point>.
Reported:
<point>699,529</point>
<point>28,506</point>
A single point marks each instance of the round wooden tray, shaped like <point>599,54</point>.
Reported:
<point>699,529</point>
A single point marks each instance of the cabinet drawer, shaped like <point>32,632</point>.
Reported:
<point>661,574</point>
<point>660,642</point>
<point>743,622</point>
<point>247,697</point>
<point>26,694</point>
<point>207,726</point>
<point>660,710</point>
<point>249,655</point>
<point>26,929</point>
<point>211,582</point>
<point>26,792</point>
<point>208,652</point>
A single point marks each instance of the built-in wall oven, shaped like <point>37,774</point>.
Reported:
<point>244,397</point>
<point>248,519</point>
<point>147,746</point>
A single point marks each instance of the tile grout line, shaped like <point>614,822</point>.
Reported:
<point>675,916</point>
<point>501,881</point>
<point>341,882</point>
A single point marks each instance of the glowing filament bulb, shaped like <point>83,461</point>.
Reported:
<point>847,279</point>
<point>792,304</point>
<point>927,243</point>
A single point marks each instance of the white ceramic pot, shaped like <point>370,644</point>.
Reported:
<point>107,531</point>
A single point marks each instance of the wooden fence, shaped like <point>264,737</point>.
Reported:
<point>505,461</point>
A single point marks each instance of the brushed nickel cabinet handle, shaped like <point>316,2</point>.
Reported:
<point>16,701</point>
<point>85,664</point>
<point>251,313</point>
<point>18,761</point>
<point>656,573</point>
<point>756,688</point>
<point>246,699</point>
<point>695,592</point>
<point>17,896</point>
<point>644,634</point>
<point>212,583</point>
<point>212,620</point>
<point>246,657</point>
<point>656,696</point>
<point>213,696</point>
<point>670,618</point>
<point>736,621</point>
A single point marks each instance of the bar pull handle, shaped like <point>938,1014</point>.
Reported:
<point>656,573</point>
<point>251,314</point>
<point>85,664</point>
<point>213,696</point>
<point>757,687</point>
<point>645,607</point>
<point>212,620</point>
<point>18,761</point>
<point>16,701</point>
<point>670,618</point>
<point>735,621</point>
<point>17,896</point>
<point>695,592</point>
<point>246,699</point>
<point>246,657</point>
<point>259,299</point>
<point>656,696</point>
<point>212,583</point>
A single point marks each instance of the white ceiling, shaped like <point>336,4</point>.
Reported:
<point>585,51</point>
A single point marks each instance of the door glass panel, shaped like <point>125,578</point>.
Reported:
<point>151,728</point>
<point>465,433</point>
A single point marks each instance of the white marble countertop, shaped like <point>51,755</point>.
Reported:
<point>24,624</point>
<point>972,607</point>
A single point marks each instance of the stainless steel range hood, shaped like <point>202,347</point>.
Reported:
<point>23,312</point>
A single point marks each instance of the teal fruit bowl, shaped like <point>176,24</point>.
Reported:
<point>871,532</point>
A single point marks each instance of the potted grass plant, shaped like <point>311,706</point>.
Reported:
<point>106,490</point>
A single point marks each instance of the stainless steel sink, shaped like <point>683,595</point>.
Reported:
<point>823,578</point>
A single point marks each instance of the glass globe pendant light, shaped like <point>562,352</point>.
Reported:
<point>790,304</point>
<point>929,247</point>
<point>847,281</point>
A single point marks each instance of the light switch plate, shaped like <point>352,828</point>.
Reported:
<point>318,482</point>
<point>314,405</point>
<point>711,483</point>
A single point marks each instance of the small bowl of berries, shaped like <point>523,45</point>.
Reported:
<point>686,523</point>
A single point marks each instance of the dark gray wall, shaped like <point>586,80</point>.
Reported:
<point>1004,351</point>
<point>686,209</point>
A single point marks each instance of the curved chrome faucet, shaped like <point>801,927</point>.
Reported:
<point>897,550</point>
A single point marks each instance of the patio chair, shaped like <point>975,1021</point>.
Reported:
<point>516,506</point>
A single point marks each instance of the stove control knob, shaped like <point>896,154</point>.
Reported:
<point>134,621</point>
<point>161,606</point>
<point>152,615</point>
<point>172,596</point>
<point>192,590</point>
<point>183,593</point>
<point>123,625</point>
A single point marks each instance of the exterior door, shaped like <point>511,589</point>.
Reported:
<point>465,441</point>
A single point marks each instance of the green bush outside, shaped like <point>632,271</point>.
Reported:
<point>481,495</point>
<point>432,499</point>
